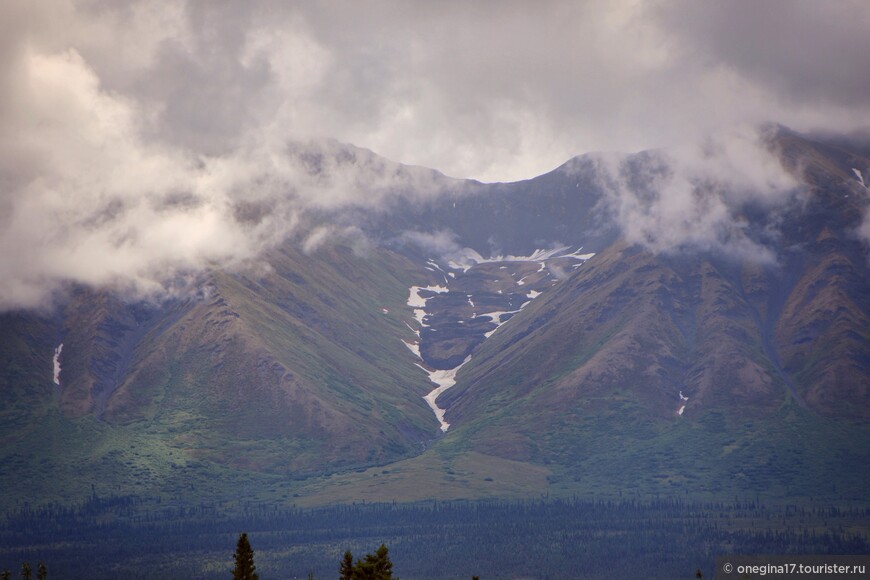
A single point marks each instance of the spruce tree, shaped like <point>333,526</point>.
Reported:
<point>41,572</point>
<point>5,575</point>
<point>244,557</point>
<point>26,571</point>
<point>376,566</point>
<point>345,570</point>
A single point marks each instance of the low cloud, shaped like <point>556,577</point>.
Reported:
<point>89,198</point>
<point>142,140</point>
<point>441,243</point>
<point>696,197</point>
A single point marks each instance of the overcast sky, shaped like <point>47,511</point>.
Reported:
<point>490,90</point>
<point>118,113</point>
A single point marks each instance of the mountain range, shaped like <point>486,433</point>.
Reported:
<point>572,333</point>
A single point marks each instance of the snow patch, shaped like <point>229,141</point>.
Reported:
<point>580,256</point>
<point>683,400</point>
<point>56,360</point>
<point>465,258</point>
<point>414,330</point>
<point>860,177</point>
<point>532,294</point>
<point>385,311</point>
<point>444,379</point>
<point>413,347</point>
<point>497,318</point>
<point>417,301</point>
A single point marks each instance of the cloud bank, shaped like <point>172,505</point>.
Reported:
<point>144,139</point>
<point>696,197</point>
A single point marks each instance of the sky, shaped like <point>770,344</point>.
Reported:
<point>178,114</point>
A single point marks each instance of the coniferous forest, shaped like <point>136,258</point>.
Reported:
<point>131,537</point>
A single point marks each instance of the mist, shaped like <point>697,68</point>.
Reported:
<point>694,197</point>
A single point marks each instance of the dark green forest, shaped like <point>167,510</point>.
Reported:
<point>133,537</point>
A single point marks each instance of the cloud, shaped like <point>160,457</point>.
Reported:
<point>474,92</point>
<point>697,197</point>
<point>143,139</point>
<point>88,201</point>
<point>438,243</point>
<point>90,198</point>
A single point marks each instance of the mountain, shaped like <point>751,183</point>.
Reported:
<point>485,340</point>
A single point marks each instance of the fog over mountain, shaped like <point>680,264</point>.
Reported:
<point>142,142</point>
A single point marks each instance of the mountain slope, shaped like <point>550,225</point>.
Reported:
<point>637,351</point>
<point>549,368</point>
<point>293,367</point>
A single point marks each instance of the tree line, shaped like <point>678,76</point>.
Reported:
<point>131,537</point>
<point>375,566</point>
<point>27,572</point>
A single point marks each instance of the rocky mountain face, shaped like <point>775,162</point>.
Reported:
<point>509,321</point>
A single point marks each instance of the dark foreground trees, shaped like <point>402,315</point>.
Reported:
<point>26,571</point>
<point>244,557</point>
<point>375,566</point>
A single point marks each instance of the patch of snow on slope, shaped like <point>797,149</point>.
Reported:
<point>444,379</point>
<point>467,257</point>
<point>497,318</point>
<point>413,347</point>
<point>683,400</point>
<point>860,177</point>
<point>580,256</point>
<point>417,301</point>
<point>532,294</point>
<point>56,360</point>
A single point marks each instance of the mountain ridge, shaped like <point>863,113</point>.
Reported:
<point>589,361</point>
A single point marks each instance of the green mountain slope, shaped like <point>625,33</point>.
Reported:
<point>688,371</point>
<point>289,370</point>
<point>298,378</point>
